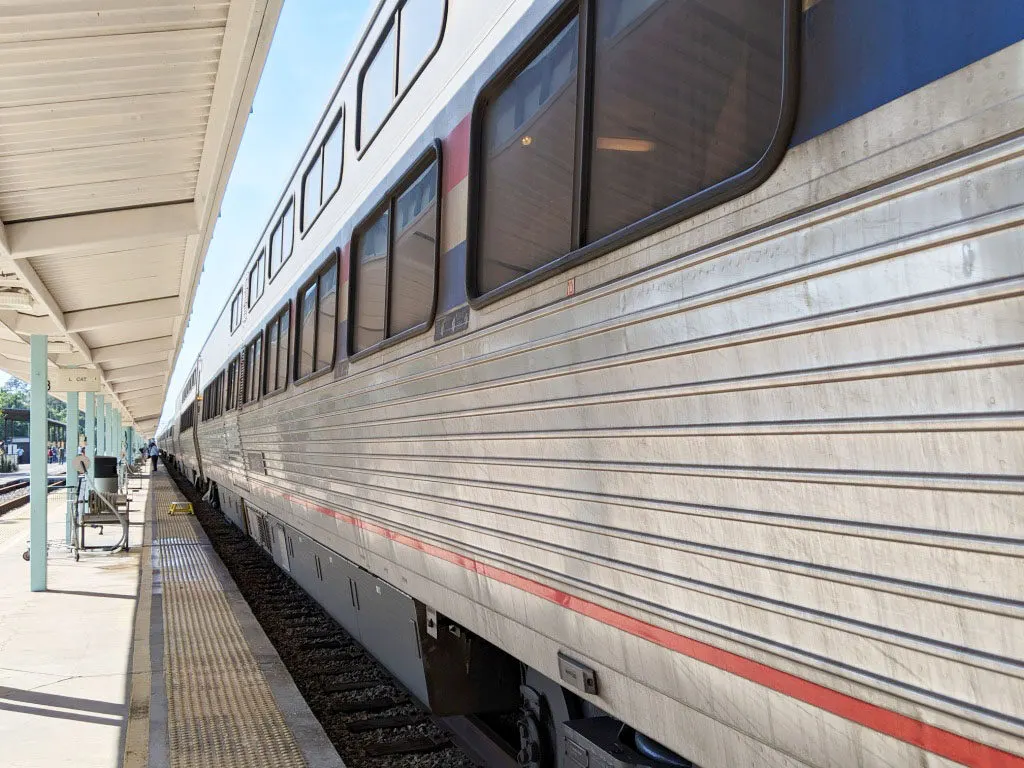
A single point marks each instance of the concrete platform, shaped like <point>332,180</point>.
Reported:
<point>139,659</point>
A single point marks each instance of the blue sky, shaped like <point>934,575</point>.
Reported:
<point>311,45</point>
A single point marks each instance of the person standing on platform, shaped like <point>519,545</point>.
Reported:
<point>154,453</point>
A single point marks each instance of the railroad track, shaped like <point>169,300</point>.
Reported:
<point>368,716</point>
<point>14,493</point>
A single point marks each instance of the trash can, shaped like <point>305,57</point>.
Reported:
<point>106,474</point>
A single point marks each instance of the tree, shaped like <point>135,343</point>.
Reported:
<point>15,394</point>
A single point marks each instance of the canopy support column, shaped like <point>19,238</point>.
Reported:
<point>37,471</point>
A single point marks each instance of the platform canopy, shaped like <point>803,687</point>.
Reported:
<point>119,124</point>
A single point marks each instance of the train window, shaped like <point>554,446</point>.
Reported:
<point>371,278</point>
<point>236,311</point>
<point>311,191</point>
<point>253,365</point>
<point>187,417</point>
<point>410,39</point>
<point>529,140</point>
<point>411,278</point>
<point>257,279</point>
<point>276,368</point>
<point>323,177</point>
<point>377,89</point>
<point>419,28</point>
<point>334,153</point>
<point>688,103</point>
<point>282,239</point>
<point>231,393</point>
<point>327,317</point>
<point>307,331</point>
<point>317,324</point>
<point>396,255</point>
<point>212,403</point>
<point>709,114</point>
<point>284,338</point>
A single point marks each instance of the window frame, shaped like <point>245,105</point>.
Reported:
<point>433,154</point>
<point>257,267</point>
<point>304,228</point>
<point>314,279</point>
<point>735,186</point>
<point>231,312</point>
<point>361,145</point>
<point>283,310</point>
<point>279,222</point>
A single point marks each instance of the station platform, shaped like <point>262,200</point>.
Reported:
<point>145,658</point>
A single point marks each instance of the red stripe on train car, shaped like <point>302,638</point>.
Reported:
<point>927,737</point>
<point>455,163</point>
<point>344,262</point>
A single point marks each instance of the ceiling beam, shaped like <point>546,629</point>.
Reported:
<point>38,289</point>
<point>143,395</point>
<point>134,372</point>
<point>119,314</point>
<point>137,384</point>
<point>100,232</point>
<point>26,325</point>
<point>132,350</point>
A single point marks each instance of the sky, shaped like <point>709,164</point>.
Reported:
<point>312,42</point>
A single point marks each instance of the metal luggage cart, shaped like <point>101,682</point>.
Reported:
<point>63,546</point>
<point>96,509</point>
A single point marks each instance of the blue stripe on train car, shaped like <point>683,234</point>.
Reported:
<point>451,279</point>
<point>860,54</point>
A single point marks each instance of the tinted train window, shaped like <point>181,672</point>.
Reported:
<point>317,324</point>
<point>230,395</point>
<point>257,279</point>
<point>212,398</point>
<point>528,145</point>
<point>371,278</point>
<point>282,239</point>
<point>307,331</point>
<point>411,278</point>
<point>709,114</point>
<point>396,258</point>
<point>412,35</point>
<point>276,369</point>
<point>327,317</point>
<point>253,368</point>
<point>686,95</point>
<point>323,177</point>
<point>185,423</point>
<point>236,312</point>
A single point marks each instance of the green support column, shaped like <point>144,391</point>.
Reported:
<point>90,432</point>
<point>108,437</point>
<point>101,428</point>
<point>118,435</point>
<point>37,450</point>
<point>70,451</point>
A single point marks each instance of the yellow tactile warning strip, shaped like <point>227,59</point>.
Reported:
<point>221,711</point>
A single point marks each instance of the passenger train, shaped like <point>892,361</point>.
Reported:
<point>653,368</point>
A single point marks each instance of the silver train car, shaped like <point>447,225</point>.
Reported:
<point>653,367</point>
